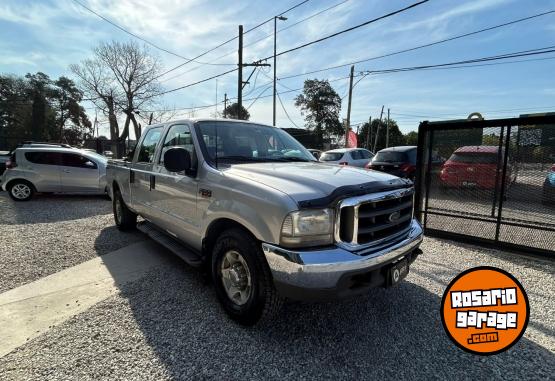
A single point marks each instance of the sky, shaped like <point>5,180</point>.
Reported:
<point>50,35</point>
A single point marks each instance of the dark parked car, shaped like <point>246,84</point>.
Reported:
<point>4,157</point>
<point>315,152</point>
<point>398,161</point>
<point>548,194</point>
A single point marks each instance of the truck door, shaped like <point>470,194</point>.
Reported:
<point>141,177</point>
<point>174,196</point>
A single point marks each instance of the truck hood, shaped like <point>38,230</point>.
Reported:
<point>313,184</point>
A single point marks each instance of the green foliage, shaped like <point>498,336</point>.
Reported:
<point>320,104</point>
<point>367,135</point>
<point>411,139</point>
<point>232,112</point>
<point>38,108</point>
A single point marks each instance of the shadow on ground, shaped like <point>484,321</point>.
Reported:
<point>52,208</point>
<point>390,333</point>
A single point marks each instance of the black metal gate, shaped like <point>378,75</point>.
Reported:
<point>489,181</point>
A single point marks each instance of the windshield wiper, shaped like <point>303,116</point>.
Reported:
<point>261,159</point>
<point>300,159</point>
<point>239,157</point>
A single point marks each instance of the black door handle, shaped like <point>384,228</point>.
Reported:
<point>152,182</point>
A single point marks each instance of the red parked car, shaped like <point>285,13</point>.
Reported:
<point>475,167</point>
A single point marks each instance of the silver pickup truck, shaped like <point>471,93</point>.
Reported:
<point>252,207</point>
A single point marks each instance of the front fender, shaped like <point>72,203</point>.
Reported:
<point>264,224</point>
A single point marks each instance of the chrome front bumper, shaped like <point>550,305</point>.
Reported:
<point>325,271</point>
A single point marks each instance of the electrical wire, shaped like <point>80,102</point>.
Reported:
<point>348,29</point>
<point>424,45</point>
<point>285,111</point>
<point>261,39</point>
<point>144,39</point>
<point>229,40</point>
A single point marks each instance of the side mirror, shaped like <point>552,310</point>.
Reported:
<point>178,159</point>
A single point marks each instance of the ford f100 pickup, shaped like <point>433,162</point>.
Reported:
<point>253,208</point>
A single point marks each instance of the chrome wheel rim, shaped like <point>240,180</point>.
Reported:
<point>119,210</point>
<point>236,277</point>
<point>21,191</point>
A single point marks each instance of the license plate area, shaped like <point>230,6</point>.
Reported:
<point>469,184</point>
<point>397,272</point>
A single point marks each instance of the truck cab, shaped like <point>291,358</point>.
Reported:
<point>256,211</point>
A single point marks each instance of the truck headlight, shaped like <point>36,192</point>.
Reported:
<point>311,227</point>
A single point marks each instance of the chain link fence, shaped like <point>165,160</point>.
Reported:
<point>489,181</point>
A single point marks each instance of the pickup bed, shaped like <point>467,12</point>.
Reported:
<point>251,207</point>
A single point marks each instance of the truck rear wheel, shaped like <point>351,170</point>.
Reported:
<point>242,278</point>
<point>125,219</point>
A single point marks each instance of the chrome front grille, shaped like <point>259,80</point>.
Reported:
<point>374,219</point>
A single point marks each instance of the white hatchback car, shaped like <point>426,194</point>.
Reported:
<point>357,157</point>
<point>53,168</point>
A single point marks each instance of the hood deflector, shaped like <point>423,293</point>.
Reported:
<point>355,190</point>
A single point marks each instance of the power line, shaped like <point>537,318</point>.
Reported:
<point>229,40</point>
<point>523,53</point>
<point>195,83</point>
<point>285,111</point>
<point>425,45</point>
<point>261,39</point>
<point>143,39</point>
<point>258,97</point>
<point>348,29</point>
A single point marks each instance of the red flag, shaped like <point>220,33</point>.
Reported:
<point>352,140</point>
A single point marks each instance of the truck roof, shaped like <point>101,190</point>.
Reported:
<point>194,120</point>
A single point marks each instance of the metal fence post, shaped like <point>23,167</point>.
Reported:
<point>503,182</point>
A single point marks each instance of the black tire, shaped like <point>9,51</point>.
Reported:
<point>21,190</point>
<point>263,301</point>
<point>125,219</point>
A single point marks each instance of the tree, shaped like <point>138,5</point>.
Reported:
<point>120,78</point>
<point>411,139</point>
<point>232,112</point>
<point>39,108</point>
<point>321,105</point>
<point>379,128</point>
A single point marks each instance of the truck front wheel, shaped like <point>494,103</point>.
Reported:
<point>125,219</point>
<point>242,278</point>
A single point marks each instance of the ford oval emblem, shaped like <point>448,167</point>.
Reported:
<point>394,216</point>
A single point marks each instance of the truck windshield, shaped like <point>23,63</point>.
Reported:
<point>247,142</point>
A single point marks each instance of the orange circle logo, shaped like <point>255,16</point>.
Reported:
<point>485,310</point>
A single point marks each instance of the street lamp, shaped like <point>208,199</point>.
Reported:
<point>281,18</point>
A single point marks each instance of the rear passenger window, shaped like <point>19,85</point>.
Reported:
<point>366,154</point>
<point>356,155</point>
<point>178,136</point>
<point>45,158</point>
<point>148,145</point>
<point>73,160</point>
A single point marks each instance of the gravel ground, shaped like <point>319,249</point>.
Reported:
<point>169,326</point>
<point>51,233</point>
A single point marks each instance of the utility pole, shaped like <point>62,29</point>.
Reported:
<point>216,115</point>
<point>378,131</point>
<point>240,76</point>
<point>348,124</point>
<point>225,104</point>
<point>387,130</point>
<point>240,82</point>
<point>276,18</point>
<point>368,136</point>
<point>150,119</point>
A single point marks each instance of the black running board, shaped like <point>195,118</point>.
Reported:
<point>170,243</point>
